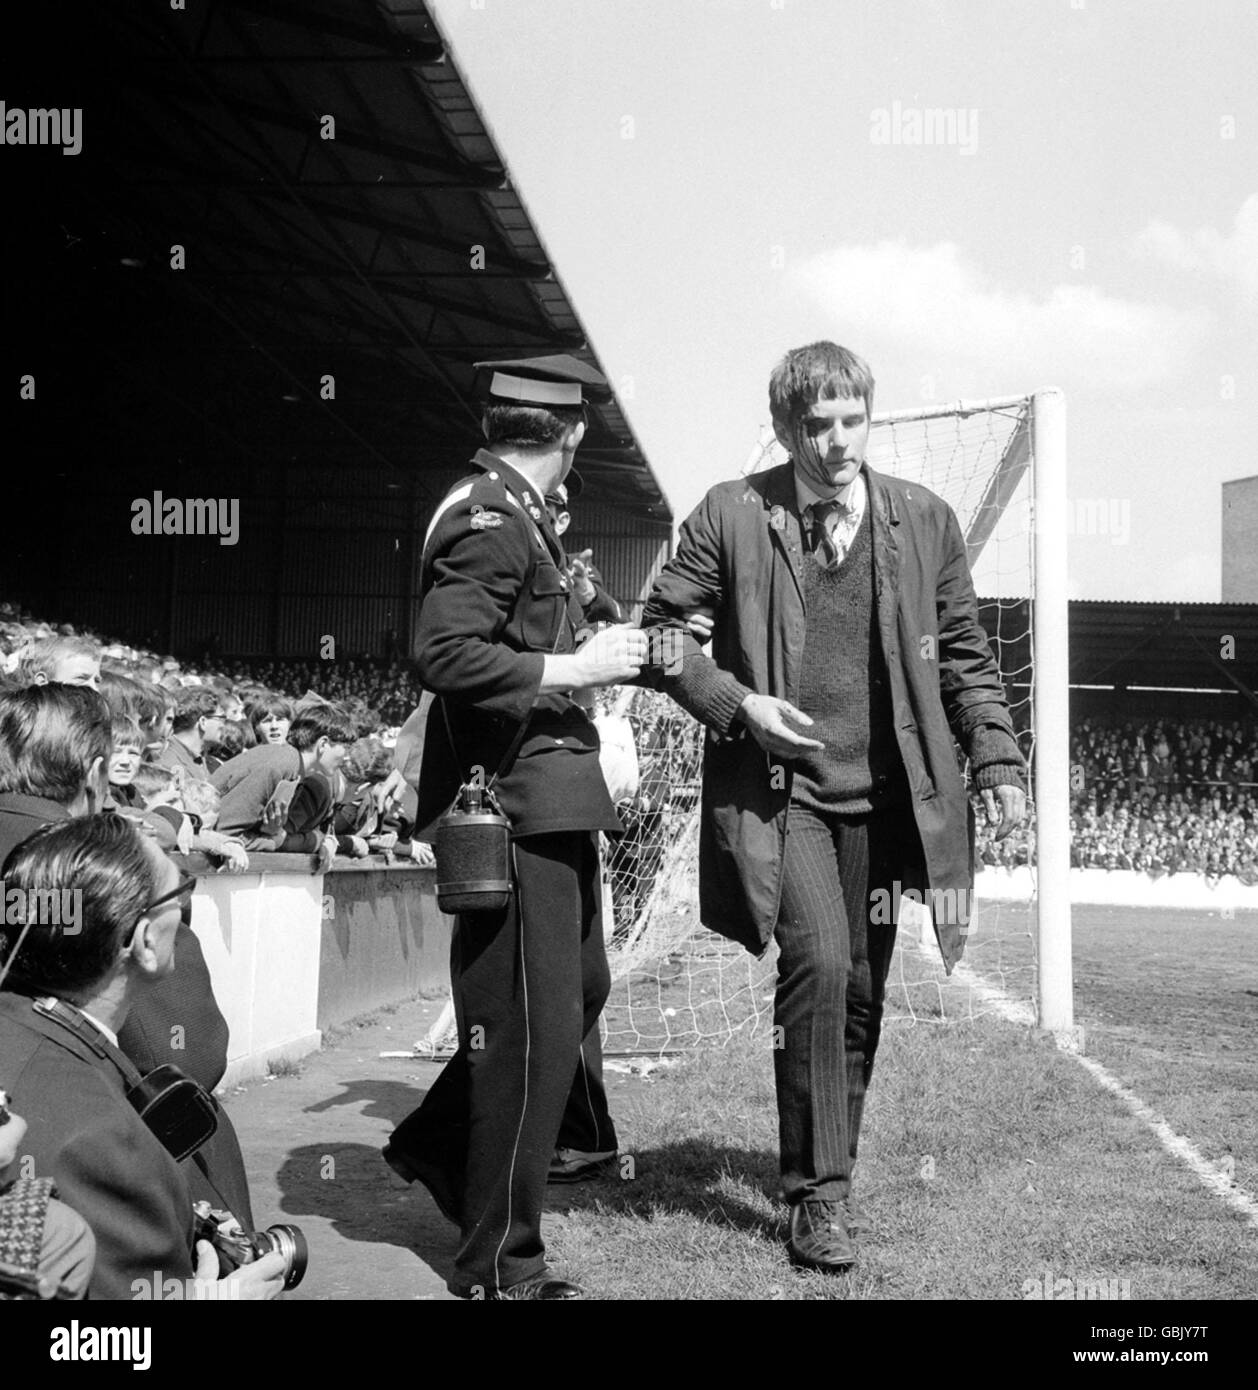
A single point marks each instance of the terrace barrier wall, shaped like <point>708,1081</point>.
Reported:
<point>292,953</point>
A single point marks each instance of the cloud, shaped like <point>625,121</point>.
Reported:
<point>930,303</point>
<point>1232,258</point>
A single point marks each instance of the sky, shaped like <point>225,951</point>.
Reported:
<point>717,181</point>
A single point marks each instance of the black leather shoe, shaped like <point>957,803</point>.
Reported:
<point>544,1287</point>
<point>572,1165</point>
<point>856,1218</point>
<point>437,1182</point>
<point>819,1238</point>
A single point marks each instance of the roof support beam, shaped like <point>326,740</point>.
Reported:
<point>383,40</point>
<point>473,175</point>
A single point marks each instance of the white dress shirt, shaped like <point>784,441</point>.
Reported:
<point>844,523</point>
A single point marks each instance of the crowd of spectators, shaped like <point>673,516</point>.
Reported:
<point>384,692</point>
<point>284,756</point>
<point>1159,797</point>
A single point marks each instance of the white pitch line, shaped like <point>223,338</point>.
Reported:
<point>1212,1177</point>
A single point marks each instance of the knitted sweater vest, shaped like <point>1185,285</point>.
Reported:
<point>844,688</point>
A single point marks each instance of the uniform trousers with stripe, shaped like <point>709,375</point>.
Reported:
<point>832,972</point>
<point>529,983</point>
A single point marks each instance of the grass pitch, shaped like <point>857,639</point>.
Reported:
<point>990,1161</point>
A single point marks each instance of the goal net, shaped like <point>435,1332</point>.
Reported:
<point>677,985</point>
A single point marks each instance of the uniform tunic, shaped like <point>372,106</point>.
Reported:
<point>530,981</point>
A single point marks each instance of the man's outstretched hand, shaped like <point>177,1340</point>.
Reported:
<point>769,720</point>
<point>1011,810</point>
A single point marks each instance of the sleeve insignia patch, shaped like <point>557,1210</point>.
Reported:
<point>483,520</point>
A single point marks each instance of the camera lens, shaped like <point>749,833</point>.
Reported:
<point>290,1244</point>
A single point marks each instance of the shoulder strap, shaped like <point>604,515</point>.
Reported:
<point>87,1032</point>
<point>452,498</point>
<point>507,758</point>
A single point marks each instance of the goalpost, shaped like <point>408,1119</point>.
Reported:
<point>1055,980</point>
<point>1001,465</point>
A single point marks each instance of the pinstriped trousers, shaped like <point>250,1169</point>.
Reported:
<point>832,973</point>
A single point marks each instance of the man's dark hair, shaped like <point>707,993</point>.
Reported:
<point>320,721</point>
<point>105,860</point>
<point>267,705</point>
<point>193,703</point>
<point>529,426</point>
<point>820,371</point>
<point>50,735</point>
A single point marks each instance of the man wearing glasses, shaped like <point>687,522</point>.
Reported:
<point>64,1001</point>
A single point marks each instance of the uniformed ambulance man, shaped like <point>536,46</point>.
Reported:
<point>498,646</point>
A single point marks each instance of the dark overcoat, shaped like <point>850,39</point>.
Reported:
<point>106,1163</point>
<point>739,553</point>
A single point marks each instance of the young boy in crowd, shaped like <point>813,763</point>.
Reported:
<point>270,717</point>
<point>125,760</point>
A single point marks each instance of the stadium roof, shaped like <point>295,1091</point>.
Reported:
<point>1124,644</point>
<point>1191,645</point>
<point>354,257</point>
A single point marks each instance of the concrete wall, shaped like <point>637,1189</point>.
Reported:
<point>260,934</point>
<point>292,953</point>
<point>383,939</point>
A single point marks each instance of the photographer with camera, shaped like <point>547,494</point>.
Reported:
<point>67,995</point>
<point>498,645</point>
